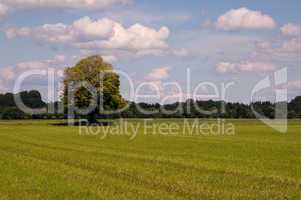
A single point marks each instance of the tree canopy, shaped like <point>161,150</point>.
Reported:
<point>99,75</point>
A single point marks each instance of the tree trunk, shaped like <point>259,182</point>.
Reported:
<point>92,118</point>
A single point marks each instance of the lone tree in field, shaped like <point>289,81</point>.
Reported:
<point>99,75</point>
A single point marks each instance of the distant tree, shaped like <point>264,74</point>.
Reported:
<point>13,113</point>
<point>31,99</point>
<point>99,74</point>
<point>295,107</point>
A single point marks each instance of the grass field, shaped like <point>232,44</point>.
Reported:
<point>42,161</point>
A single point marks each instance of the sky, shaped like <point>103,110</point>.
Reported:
<point>175,49</point>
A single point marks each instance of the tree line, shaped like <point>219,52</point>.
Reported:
<point>188,109</point>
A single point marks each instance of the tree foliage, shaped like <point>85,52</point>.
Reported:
<point>99,75</point>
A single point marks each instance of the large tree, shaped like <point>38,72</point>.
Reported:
<point>98,74</point>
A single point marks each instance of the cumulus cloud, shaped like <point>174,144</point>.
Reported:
<point>180,52</point>
<point>292,45</point>
<point>227,67</point>
<point>3,10</point>
<point>294,85</point>
<point>87,4</point>
<point>159,74</point>
<point>243,18</point>
<point>285,50</point>
<point>81,30</point>
<point>9,74</point>
<point>291,29</point>
<point>36,64</point>
<point>86,27</point>
<point>137,37</point>
<point>105,33</point>
<point>110,58</point>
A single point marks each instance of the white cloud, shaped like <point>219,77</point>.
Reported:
<point>110,58</point>
<point>294,85</point>
<point>86,27</point>
<point>227,67</point>
<point>87,4</point>
<point>137,37</point>
<point>81,30</point>
<point>243,18</point>
<point>285,50</point>
<point>36,64</point>
<point>99,34</point>
<point>60,58</point>
<point>159,73</point>
<point>291,29</point>
<point>180,52</point>
<point>292,45</point>
<point>7,73</point>
<point>3,10</point>
<point>48,32</point>
<point>10,74</point>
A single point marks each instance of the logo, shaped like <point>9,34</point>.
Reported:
<point>279,123</point>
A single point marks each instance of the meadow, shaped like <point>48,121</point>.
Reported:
<point>43,161</point>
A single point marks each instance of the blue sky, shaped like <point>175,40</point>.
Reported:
<point>218,41</point>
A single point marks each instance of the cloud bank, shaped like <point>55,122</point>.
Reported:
<point>100,34</point>
<point>291,29</point>
<point>254,67</point>
<point>243,18</point>
<point>159,73</point>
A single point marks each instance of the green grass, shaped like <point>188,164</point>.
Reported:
<point>42,161</point>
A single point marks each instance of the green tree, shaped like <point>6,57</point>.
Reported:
<point>98,74</point>
<point>295,107</point>
<point>13,113</point>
